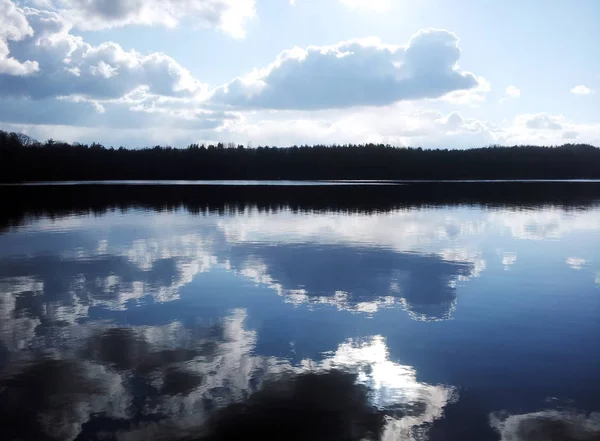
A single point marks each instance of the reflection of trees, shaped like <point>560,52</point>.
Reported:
<point>157,378</point>
<point>356,278</point>
<point>170,382</point>
<point>53,398</point>
<point>29,202</point>
<point>328,406</point>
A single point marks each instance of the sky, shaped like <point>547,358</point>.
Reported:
<point>428,73</point>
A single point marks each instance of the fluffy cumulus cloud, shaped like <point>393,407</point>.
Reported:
<point>70,66</point>
<point>48,75</point>
<point>581,90</point>
<point>512,92</point>
<point>353,73</point>
<point>14,27</point>
<point>230,16</point>
<point>54,83</point>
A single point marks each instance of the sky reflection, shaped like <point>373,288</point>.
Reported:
<point>159,325</point>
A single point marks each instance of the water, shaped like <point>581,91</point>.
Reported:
<point>139,314</point>
<point>289,183</point>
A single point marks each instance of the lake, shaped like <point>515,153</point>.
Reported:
<point>432,311</point>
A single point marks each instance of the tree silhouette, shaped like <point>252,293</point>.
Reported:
<point>22,159</point>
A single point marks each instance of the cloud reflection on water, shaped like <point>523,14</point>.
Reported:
<point>171,380</point>
<point>548,425</point>
<point>361,274</point>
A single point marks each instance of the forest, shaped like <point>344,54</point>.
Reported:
<point>23,203</point>
<point>23,159</point>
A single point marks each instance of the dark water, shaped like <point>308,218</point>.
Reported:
<point>429,312</point>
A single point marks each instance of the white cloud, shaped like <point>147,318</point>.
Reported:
<point>581,90</point>
<point>363,72</point>
<point>231,16</point>
<point>70,66</point>
<point>576,263</point>
<point>547,129</point>
<point>511,92</point>
<point>542,121</point>
<point>508,259</point>
<point>371,360</point>
<point>398,124</point>
<point>550,425</point>
<point>368,5</point>
<point>544,224</point>
<point>99,86</point>
<point>404,124</point>
<point>473,97</point>
<point>142,120</point>
<point>13,26</point>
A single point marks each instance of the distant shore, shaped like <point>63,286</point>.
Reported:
<point>25,160</point>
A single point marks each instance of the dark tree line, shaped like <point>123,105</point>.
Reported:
<point>22,203</point>
<point>23,159</point>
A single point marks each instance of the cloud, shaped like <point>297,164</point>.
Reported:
<point>576,263</point>
<point>230,16</point>
<point>192,368</point>
<point>544,224</point>
<point>549,425</point>
<point>398,124</point>
<point>403,124</point>
<point>69,66</point>
<point>122,113</point>
<point>581,90</point>
<point>430,297</point>
<point>357,91</point>
<point>511,92</point>
<point>369,5</point>
<point>547,129</point>
<point>165,120</point>
<point>570,134</point>
<point>80,84</point>
<point>473,97</point>
<point>508,259</point>
<point>353,73</point>
<point>542,121</point>
<point>13,26</point>
<point>357,245</point>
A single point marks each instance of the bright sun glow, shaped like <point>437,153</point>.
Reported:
<point>393,384</point>
<point>373,5</point>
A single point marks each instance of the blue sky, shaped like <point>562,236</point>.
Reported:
<point>428,73</point>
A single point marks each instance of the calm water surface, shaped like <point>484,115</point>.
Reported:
<point>446,322</point>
